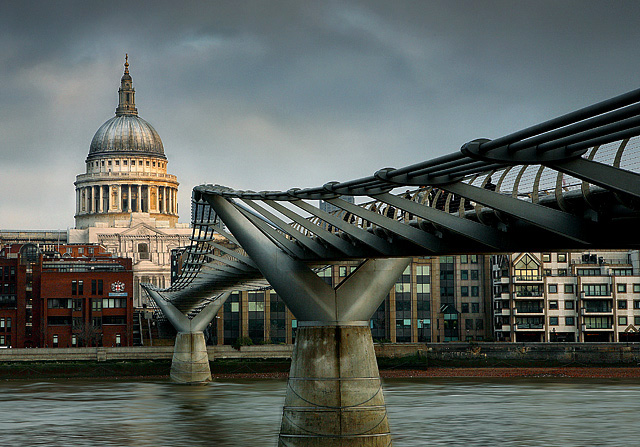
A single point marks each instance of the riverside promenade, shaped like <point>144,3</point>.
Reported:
<point>432,354</point>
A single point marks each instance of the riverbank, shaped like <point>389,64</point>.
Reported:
<point>279,369</point>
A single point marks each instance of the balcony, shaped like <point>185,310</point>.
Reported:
<point>586,327</point>
<point>529,294</point>
<point>528,278</point>
<point>504,328</point>
<point>528,310</point>
<point>529,326</point>
<point>505,312</point>
<point>597,310</point>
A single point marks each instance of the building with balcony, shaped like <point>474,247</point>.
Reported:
<point>566,296</point>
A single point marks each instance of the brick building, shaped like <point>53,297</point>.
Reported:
<point>64,296</point>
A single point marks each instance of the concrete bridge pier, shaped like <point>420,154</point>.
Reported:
<point>190,362</point>
<point>334,394</point>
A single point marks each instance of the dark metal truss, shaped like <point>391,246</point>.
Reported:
<point>568,183</point>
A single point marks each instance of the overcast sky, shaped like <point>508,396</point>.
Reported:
<point>280,94</point>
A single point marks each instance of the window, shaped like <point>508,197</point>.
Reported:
<point>475,291</point>
<point>474,275</point>
<point>94,287</point>
<point>74,340</point>
<point>553,321</point>
<point>326,275</point>
<point>553,304</point>
<point>74,287</point>
<point>143,250</point>
<point>622,304</point>
<point>622,321</point>
<point>96,304</point>
<point>80,288</point>
<point>547,272</point>
<point>595,289</point>
<point>114,303</point>
<point>465,308</point>
<point>118,340</point>
<point>479,324</point>
<point>636,304</point>
<point>55,340</point>
<point>342,271</point>
<point>636,321</point>
<point>100,288</point>
<point>636,288</point>
<point>562,272</point>
<point>621,288</point>
<point>546,257</point>
<point>553,288</point>
<point>588,272</point>
<point>114,320</point>
<point>568,288</point>
<point>464,291</point>
<point>569,304</point>
<point>569,321</point>
<point>527,268</point>
<point>464,274</point>
<point>474,259</point>
<point>468,324</point>
<point>59,303</point>
<point>622,272</point>
<point>475,308</point>
<point>464,259</point>
<point>562,257</point>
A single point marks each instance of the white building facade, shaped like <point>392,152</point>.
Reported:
<point>567,296</point>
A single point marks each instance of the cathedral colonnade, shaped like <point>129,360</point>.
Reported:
<point>143,197</point>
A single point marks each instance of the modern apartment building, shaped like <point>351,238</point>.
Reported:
<point>566,296</point>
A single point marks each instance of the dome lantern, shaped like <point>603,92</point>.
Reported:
<point>126,134</point>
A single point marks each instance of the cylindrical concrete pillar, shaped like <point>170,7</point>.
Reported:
<point>334,394</point>
<point>190,363</point>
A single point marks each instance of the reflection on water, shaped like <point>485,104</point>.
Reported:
<point>422,412</point>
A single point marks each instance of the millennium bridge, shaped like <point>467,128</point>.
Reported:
<point>569,183</point>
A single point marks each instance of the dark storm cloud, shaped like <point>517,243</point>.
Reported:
<point>266,95</point>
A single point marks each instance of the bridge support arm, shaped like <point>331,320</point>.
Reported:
<point>190,362</point>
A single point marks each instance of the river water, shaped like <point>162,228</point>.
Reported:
<point>239,413</point>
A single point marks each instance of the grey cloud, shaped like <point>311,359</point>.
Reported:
<point>266,95</point>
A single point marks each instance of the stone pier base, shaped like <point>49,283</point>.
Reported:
<point>334,394</point>
<point>190,364</point>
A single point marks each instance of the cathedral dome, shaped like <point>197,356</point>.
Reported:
<point>126,135</point>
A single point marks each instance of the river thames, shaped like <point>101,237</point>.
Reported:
<point>239,413</point>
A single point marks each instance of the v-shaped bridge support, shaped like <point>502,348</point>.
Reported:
<point>334,395</point>
<point>190,363</point>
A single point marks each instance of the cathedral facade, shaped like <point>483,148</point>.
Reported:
<point>126,200</point>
